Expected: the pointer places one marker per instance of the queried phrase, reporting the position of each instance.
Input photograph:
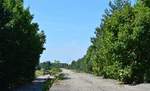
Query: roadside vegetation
(39, 73)
(121, 46)
(21, 43)
(47, 85)
(52, 69)
(120, 49)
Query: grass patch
(39, 73)
(56, 72)
(48, 84)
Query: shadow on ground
(36, 85)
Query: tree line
(49, 65)
(21, 43)
(121, 46)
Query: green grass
(48, 84)
(55, 71)
(58, 76)
(39, 73)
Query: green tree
(21, 44)
(120, 49)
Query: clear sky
(68, 25)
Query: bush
(47, 85)
(21, 44)
(39, 73)
(55, 71)
(121, 47)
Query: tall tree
(121, 49)
(21, 44)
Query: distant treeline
(49, 65)
(21, 44)
(121, 48)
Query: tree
(145, 3)
(21, 44)
(120, 50)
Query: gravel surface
(86, 82)
(36, 85)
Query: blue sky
(68, 25)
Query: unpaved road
(86, 82)
(36, 85)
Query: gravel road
(86, 82)
(36, 85)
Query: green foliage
(21, 44)
(58, 76)
(47, 85)
(145, 3)
(78, 65)
(121, 48)
(39, 73)
(55, 71)
(49, 65)
(45, 65)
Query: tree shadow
(35, 85)
(64, 76)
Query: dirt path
(86, 82)
(36, 85)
